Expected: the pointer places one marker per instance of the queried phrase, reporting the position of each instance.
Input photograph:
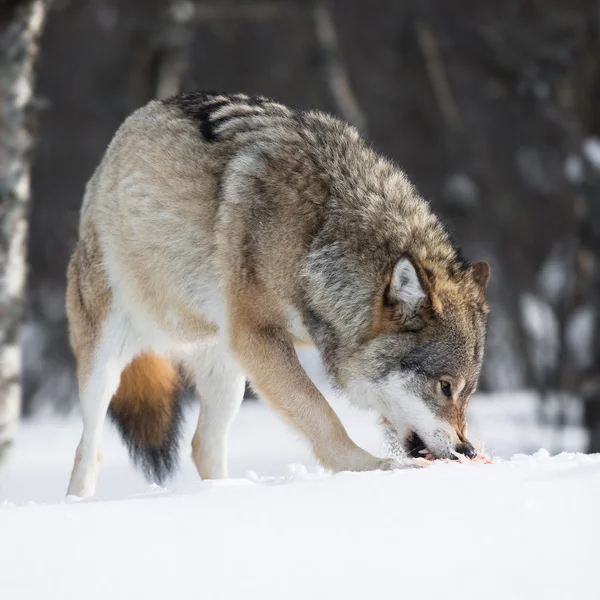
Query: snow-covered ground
(527, 527)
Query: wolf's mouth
(412, 446)
(416, 447)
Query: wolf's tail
(147, 410)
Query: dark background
(491, 107)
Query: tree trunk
(589, 258)
(20, 26)
(170, 60)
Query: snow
(282, 528)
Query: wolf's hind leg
(220, 384)
(99, 373)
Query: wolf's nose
(467, 449)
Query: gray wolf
(221, 231)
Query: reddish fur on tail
(147, 410)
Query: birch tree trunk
(21, 23)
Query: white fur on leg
(220, 384)
(110, 358)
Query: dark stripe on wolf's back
(200, 106)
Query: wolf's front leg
(267, 354)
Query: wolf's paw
(358, 459)
(392, 464)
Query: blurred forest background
(491, 107)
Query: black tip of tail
(158, 463)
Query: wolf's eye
(446, 389)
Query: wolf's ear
(481, 273)
(405, 287)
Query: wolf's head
(420, 362)
(419, 352)
(397, 314)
